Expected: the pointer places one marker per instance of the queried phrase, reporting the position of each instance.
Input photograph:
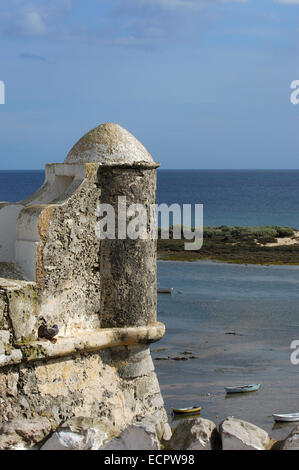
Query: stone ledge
(15, 357)
(89, 341)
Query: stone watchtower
(55, 269)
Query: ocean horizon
(230, 197)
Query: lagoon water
(260, 304)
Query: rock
(166, 432)
(64, 440)
(2, 309)
(12, 384)
(4, 340)
(241, 435)
(69, 440)
(14, 357)
(195, 434)
(292, 441)
(24, 433)
(78, 434)
(138, 436)
(162, 429)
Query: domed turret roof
(109, 143)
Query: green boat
(243, 388)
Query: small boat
(286, 417)
(243, 388)
(165, 290)
(182, 411)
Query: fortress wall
(101, 294)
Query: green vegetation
(236, 245)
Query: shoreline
(269, 245)
(174, 258)
(239, 322)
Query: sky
(201, 83)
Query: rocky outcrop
(195, 434)
(24, 433)
(94, 434)
(292, 441)
(162, 428)
(138, 436)
(79, 434)
(241, 435)
(152, 432)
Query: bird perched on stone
(47, 332)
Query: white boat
(286, 417)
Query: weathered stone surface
(166, 432)
(241, 435)
(15, 356)
(136, 369)
(22, 308)
(127, 263)
(69, 280)
(109, 144)
(4, 341)
(195, 434)
(24, 432)
(4, 336)
(138, 436)
(147, 386)
(156, 401)
(90, 439)
(2, 310)
(96, 340)
(101, 295)
(12, 383)
(64, 440)
(162, 429)
(81, 433)
(11, 271)
(292, 441)
(87, 385)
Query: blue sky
(202, 83)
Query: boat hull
(186, 411)
(243, 388)
(290, 417)
(165, 291)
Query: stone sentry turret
(55, 269)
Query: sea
(229, 197)
(225, 324)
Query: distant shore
(266, 245)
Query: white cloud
(143, 23)
(172, 4)
(33, 17)
(288, 2)
(33, 24)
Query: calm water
(235, 197)
(260, 304)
